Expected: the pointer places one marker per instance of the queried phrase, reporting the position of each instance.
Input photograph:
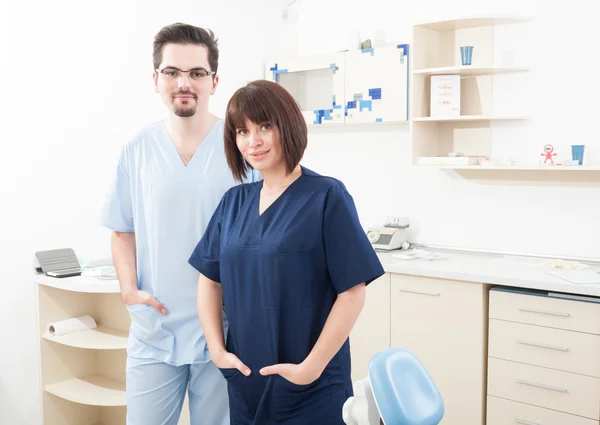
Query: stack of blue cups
(466, 55)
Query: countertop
(79, 284)
(496, 269)
(520, 272)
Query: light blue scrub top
(168, 206)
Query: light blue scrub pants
(156, 391)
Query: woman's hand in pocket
(226, 360)
(299, 374)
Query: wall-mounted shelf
(469, 70)
(469, 118)
(549, 168)
(437, 131)
(92, 390)
(473, 22)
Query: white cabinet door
(376, 84)
(371, 332)
(443, 322)
(317, 84)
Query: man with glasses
(169, 180)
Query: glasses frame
(162, 71)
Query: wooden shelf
(92, 390)
(469, 118)
(553, 168)
(473, 22)
(437, 51)
(469, 70)
(83, 373)
(100, 338)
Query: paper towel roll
(76, 324)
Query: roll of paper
(76, 324)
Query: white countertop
(522, 272)
(79, 284)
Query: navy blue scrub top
(281, 272)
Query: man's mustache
(185, 93)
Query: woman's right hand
(226, 360)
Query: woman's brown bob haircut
(263, 101)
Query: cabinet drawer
(507, 412)
(553, 389)
(545, 311)
(570, 351)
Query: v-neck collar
(256, 203)
(174, 151)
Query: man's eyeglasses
(195, 74)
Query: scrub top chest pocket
(291, 280)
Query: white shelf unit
(436, 51)
(469, 70)
(469, 118)
(83, 373)
(549, 168)
(101, 338)
(471, 22)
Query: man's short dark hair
(179, 33)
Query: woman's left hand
(299, 374)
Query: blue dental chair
(398, 390)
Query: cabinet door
(443, 322)
(317, 84)
(377, 84)
(371, 332)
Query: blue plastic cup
(577, 152)
(466, 54)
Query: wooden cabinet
(507, 412)
(499, 357)
(371, 332)
(443, 322)
(83, 373)
(544, 356)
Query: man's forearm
(124, 260)
(209, 301)
(337, 328)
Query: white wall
(556, 216)
(78, 86)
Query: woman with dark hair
(289, 261)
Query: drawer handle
(524, 422)
(537, 344)
(434, 294)
(546, 387)
(552, 313)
